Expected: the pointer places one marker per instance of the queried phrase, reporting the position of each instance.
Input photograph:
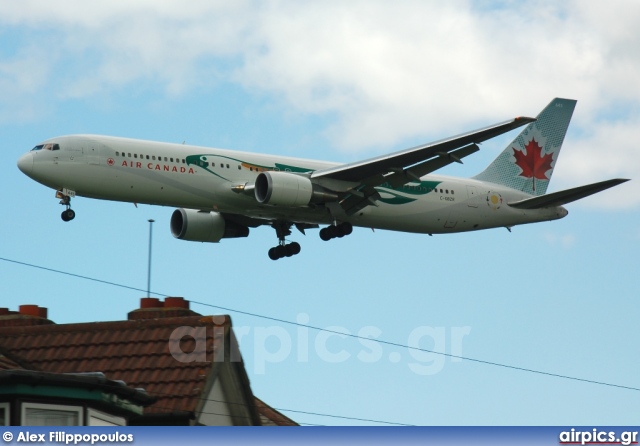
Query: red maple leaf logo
(534, 164)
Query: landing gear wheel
(68, 215)
(324, 234)
(336, 231)
(292, 249)
(281, 251)
(272, 254)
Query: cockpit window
(48, 146)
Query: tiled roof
(135, 351)
(11, 362)
(271, 417)
(8, 364)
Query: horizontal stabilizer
(566, 196)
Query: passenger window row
(425, 189)
(169, 159)
(150, 157)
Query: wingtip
(618, 180)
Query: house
(180, 367)
(67, 399)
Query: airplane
(222, 193)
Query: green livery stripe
(202, 162)
(403, 194)
(397, 199)
(286, 168)
(400, 195)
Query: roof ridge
(199, 320)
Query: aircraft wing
(396, 169)
(566, 196)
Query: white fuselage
(176, 175)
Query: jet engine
(288, 189)
(204, 226)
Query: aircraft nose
(25, 163)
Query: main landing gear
(283, 249)
(335, 231)
(283, 229)
(68, 214)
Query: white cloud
(607, 149)
(414, 68)
(99, 46)
(386, 71)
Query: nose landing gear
(68, 214)
(65, 199)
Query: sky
(538, 312)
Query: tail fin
(527, 163)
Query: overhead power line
(395, 344)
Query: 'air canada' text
(161, 167)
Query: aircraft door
(91, 151)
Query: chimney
(27, 315)
(154, 308)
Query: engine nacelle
(283, 189)
(203, 226)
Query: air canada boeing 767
(222, 193)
